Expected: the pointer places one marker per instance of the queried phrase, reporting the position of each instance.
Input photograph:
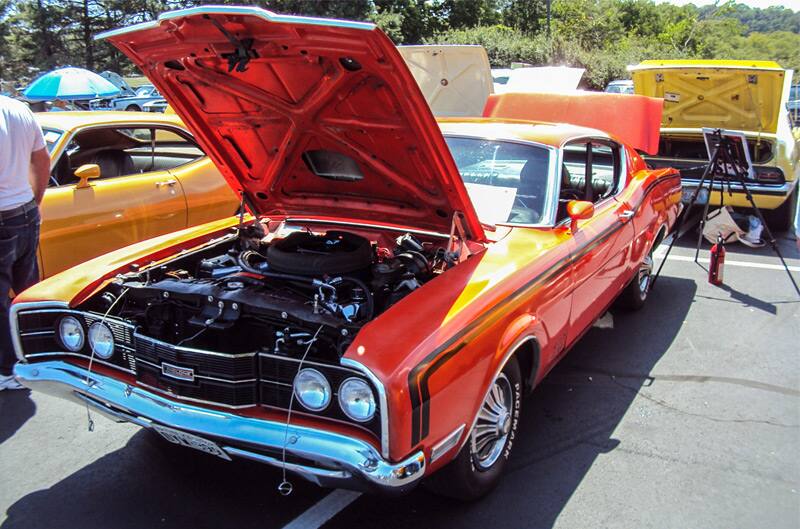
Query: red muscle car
(400, 284)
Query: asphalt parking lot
(685, 414)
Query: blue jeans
(19, 269)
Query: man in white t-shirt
(24, 172)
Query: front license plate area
(192, 441)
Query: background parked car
(153, 179)
(746, 96)
(622, 86)
(135, 103)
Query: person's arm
(40, 173)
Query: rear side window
(591, 171)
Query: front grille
(203, 390)
(229, 380)
(38, 336)
(205, 363)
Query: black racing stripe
(418, 384)
(418, 376)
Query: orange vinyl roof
(632, 119)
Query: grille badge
(177, 372)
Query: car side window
(125, 151)
(590, 171)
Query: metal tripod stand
(726, 165)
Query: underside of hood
(305, 116)
(736, 95)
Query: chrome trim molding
(384, 402)
(51, 332)
(444, 446)
(83, 356)
(338, 460)
(311, 363)
(756, 188)
(190, 349)
(190, 399)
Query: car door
(135, 200)
(596, 171)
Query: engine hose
(242, 260)
(363, 287)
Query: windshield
(51, 137)
(507, 182)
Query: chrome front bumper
(338, 460)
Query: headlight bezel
(93, 346)
(60, 334)
(342, 405)
(327, 390)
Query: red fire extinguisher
(717, 262)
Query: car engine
(251, 292)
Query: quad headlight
(101, 340)
(70, 333)
(312, 389)
(357, 400)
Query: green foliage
(603, 36)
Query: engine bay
(277, 292)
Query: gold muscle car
(122, 177)
(746, 96)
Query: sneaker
(9, 382)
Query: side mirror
(86, 172)
(579, 210)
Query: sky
(791, 4)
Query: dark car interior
(600, 161)
(124, 152)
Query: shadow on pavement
(16, 407)
(150, 483)
(567, 423)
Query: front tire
(132, 108)
(477, 468)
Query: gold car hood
(736, 95)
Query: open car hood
(307, 116)
(634, 120)
(737, 95)
(455, 79)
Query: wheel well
(527, 355)
(660, 237)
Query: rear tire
(132, 108)
(477, 468)
(635, 294)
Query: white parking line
(729, 262)
(325, 509)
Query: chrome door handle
(626, 215)
(169, 183)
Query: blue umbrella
(69, 84)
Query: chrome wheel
(645, 272)
(494, 423)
